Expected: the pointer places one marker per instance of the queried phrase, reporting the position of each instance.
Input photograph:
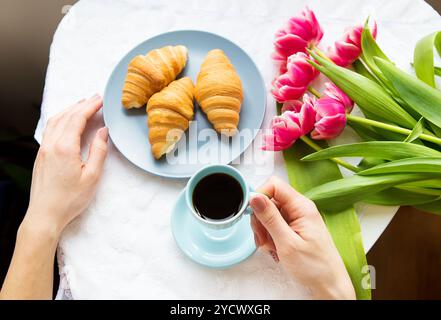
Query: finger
(72, 121)
(270, 217)
(294, 203)
(261, 236)
(56, 124)
(263, 239)
(257, 232)
(48, 133)
(278, 189)
(97, 155)
(268, 244)
(84, 106)
(76, 121)
(275, 256)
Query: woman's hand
(290, 227)
(62, 187)
(62, 184)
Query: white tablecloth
(122, 246)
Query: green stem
(341, 162)
(320, 53)
(314, 92)
(392, 128)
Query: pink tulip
(290, 126)
(334, 92)
(306, 27)
(284, 132)
(285, 90)
(279, 62)
(294, 83)
(305, 118)
(299, 70)
(294, 105)
(346, 50)
(300, 33)
(287, 44)
(330, 119)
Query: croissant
(219, 92)
(169, 114)
(151, 73)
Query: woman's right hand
(291, 228)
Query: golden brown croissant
(169, 114)
(219, 92)
(151, 73)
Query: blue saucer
(211, 248)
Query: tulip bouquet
(400, 131)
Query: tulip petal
(326, 106)
(289, 44)
(307, 118)
(295, 105)
(284, 90)
(334, 92)
(346, 50)
(329, 127)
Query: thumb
(270, 217)
(97, 153)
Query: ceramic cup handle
(249, 210)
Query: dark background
(407, 257)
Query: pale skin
(63, 185)
(289, 226)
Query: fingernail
(258, 204)
(274, 256)
(256, 240)
(95, 96)
(103, 133)
(82, 100)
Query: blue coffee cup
(213, 169)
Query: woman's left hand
(63, 184)
(62, 187)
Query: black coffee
(217, 196)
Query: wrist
(38, 229)
(341, 289)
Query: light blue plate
(211, 248)
(128, 128)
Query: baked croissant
(219, 92)
(151, 73)
(169, 114)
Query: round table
(122, 246)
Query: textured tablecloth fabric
(122, 246)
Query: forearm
(30, 274)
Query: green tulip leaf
(365, 132)
(430, 183)
(399, 197)
(416, 131)
(340, 194)
(423, 59)
(418, 95)
(387, 150)
(363, 70)
(432, 207)
(421, 190)
(425, 164)
(370, 49)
